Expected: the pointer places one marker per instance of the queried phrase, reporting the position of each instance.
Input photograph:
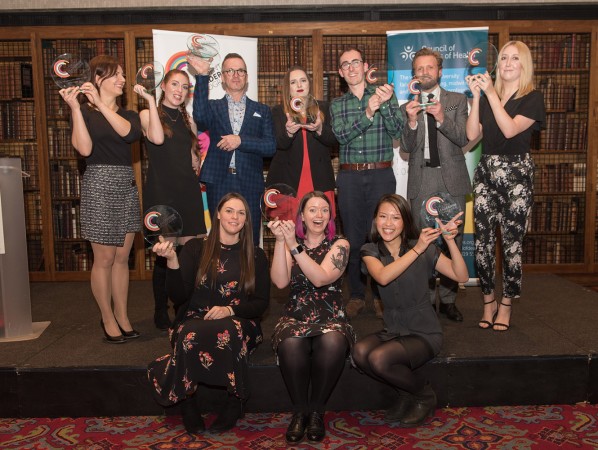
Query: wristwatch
(297, 250)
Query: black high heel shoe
(486, 324)
(128, 334)
(120, 339)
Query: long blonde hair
(526, 79)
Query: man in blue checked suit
(241, 136)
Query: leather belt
(232, 170)
(366, 166)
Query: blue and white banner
(455, 45)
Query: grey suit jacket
(451, 139)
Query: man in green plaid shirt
(365, 121)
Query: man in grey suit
(434, 138)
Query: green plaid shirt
(361, 139)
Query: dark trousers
(358, 194)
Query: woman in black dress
(401, 264)
(103, 133)
(313, 336)
(221, 287)
(171, 143)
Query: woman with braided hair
(172, 150)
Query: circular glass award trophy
(205, 47)
(69, 70)
(440, 205)
(279, 202)
(161, 220)
(307, 109)
(380, 74)
(483, 57)
(150, 75)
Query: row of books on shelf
(563, 133)
(65, 180)
(35, 253)
(17, 120)
(85, 49)
(15, 49)
(59, 141)
(560, 177)
(544, 250)
(17, 80)
(279, 54)
(33, 212)
(72, 256)
(570, 52)
(67, 220)
(375, 53)
(557, 96)
(555, 216)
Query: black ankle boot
(315, 427)
(192, 419)
(396, 412)
(296, 429)
(422, 407)
(227, 418)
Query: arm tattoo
(340, 259)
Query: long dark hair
(410, 230)
(210, 257)
(300, 228)
(165, 126)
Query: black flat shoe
(296, 429)
(451, 312)
(315, 427)
(120, 339)
(192, 419)
(227, 418)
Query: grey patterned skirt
(109, 204)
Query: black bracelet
(297, 250)
(416, 252)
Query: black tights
(388, 361)
(319, 359)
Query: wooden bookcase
(562, 234)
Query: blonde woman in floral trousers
(507, 114)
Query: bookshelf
(562, 234)
(555, 233)
(18, 137)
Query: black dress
(212, 352)
(171, 179)
(311, 310)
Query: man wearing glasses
(241, 136)
(365, 121)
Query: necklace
(178, 113)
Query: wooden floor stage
(548, 356)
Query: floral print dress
(311, 310)
(212, 352)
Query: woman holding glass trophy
(103, 132)
(172, 150)
(304, 140)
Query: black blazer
(288, 160)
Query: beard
(427, 83)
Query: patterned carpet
(515, 427)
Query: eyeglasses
(355, 64)
(239, 72)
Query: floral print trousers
(503, 195)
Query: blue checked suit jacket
(257, 139)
